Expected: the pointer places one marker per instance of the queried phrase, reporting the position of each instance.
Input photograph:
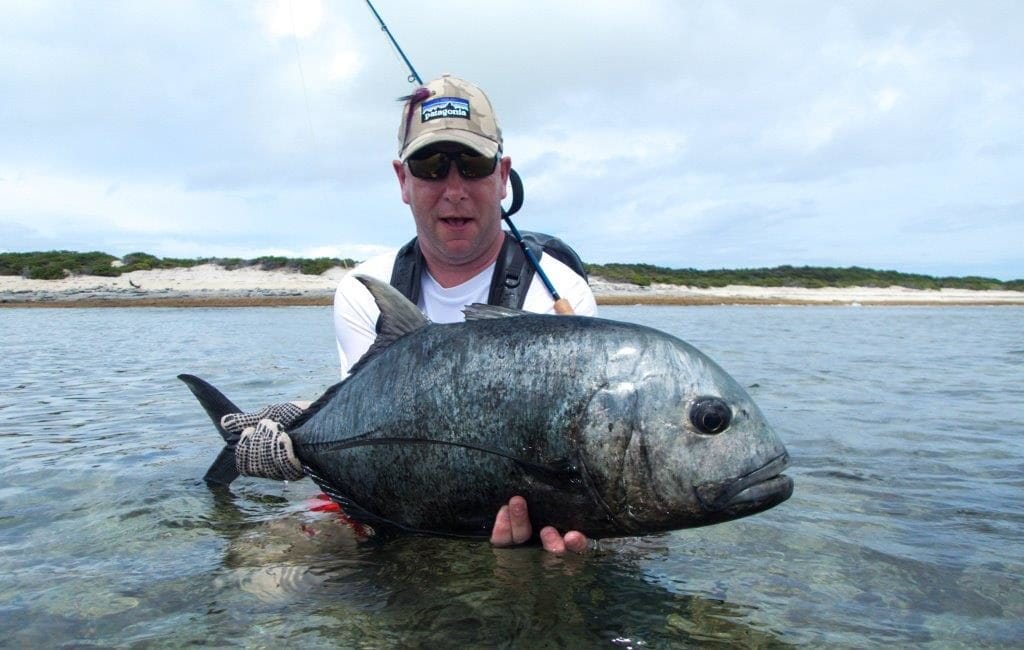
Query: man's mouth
(455, 222)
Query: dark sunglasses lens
(430, 167)
(476, 166)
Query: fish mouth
(759, 490)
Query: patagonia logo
(441, 107)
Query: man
(453, 176)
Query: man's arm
(569, 286)
(355, 312)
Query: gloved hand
(284, 414)
(264, 449)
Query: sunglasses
(434, 165)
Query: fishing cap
(449, 109)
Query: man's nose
(454, 185)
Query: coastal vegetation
(792, 276)
(51, 265)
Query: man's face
(458, 220)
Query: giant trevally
(604, 427)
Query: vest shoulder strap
(512, 275)
(557, 249)
(407, 271)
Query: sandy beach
(213, 286)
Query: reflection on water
(442, 592)
(905, 427)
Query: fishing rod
(384, 28)
(562, 305)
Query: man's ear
(403, 176)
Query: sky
(679, 133)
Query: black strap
(517, 194)
(407, 271)
(556, 248)
(512, 275)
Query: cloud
(682, 134)
(298, 19)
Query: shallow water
(906, 428)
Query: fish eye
(710, 415)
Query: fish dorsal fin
(398, 317)
(478, 311)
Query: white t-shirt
(442, 305)
(355, 312)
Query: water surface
(906, 428)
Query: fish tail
(216, 405)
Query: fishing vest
(512, 271)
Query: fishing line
(562, 305)
(302, 74)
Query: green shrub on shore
(51, 265)
(318, 265)
(790, 276)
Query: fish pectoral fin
(479, 311)
(561, 474)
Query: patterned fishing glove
(266, 451)
(264, 448)
(284, 414)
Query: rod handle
(563, 307)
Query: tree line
(792, 276)
(51, 265)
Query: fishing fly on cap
(411, 101)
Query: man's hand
(284, 414)
(512, 526)
(264, 449)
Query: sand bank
(213, 286)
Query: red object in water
(323, 503)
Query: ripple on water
(906, 429)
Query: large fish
(604, 427)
